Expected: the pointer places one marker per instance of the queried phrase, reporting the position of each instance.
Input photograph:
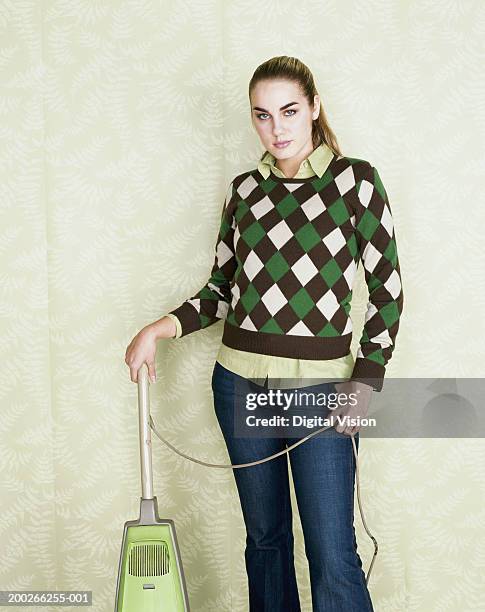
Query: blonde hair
(293, 69)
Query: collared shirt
(285, 372)
(316, 163)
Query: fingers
(128, 349)
(141, 350)
(129, 363)
(351, 431)
(348, 430)
(151, 371)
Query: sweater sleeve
(378, 250)
(211, 303)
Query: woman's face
(280, 113)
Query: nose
(277, 129)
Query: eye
(289, 110)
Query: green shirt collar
(316, 163)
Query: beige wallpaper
(122, 123)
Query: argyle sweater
(285, 261)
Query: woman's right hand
(143, 347)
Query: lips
(282, 144)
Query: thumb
(151, 371)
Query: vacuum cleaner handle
(145, 433)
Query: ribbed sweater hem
(299, 347)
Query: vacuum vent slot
(149, 560)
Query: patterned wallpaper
(122, 125)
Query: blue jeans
(323, 471)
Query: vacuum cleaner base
(150, 571)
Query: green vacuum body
(150, 574)
(150, 571)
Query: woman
(291, 236)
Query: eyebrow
(282, 108)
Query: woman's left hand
(353, 399)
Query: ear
(316, 106)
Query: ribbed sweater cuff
(188, 317)
(369, 372)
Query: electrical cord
(286, 450)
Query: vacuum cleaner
(150, 570)
(150, 574)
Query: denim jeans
(323, 472)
